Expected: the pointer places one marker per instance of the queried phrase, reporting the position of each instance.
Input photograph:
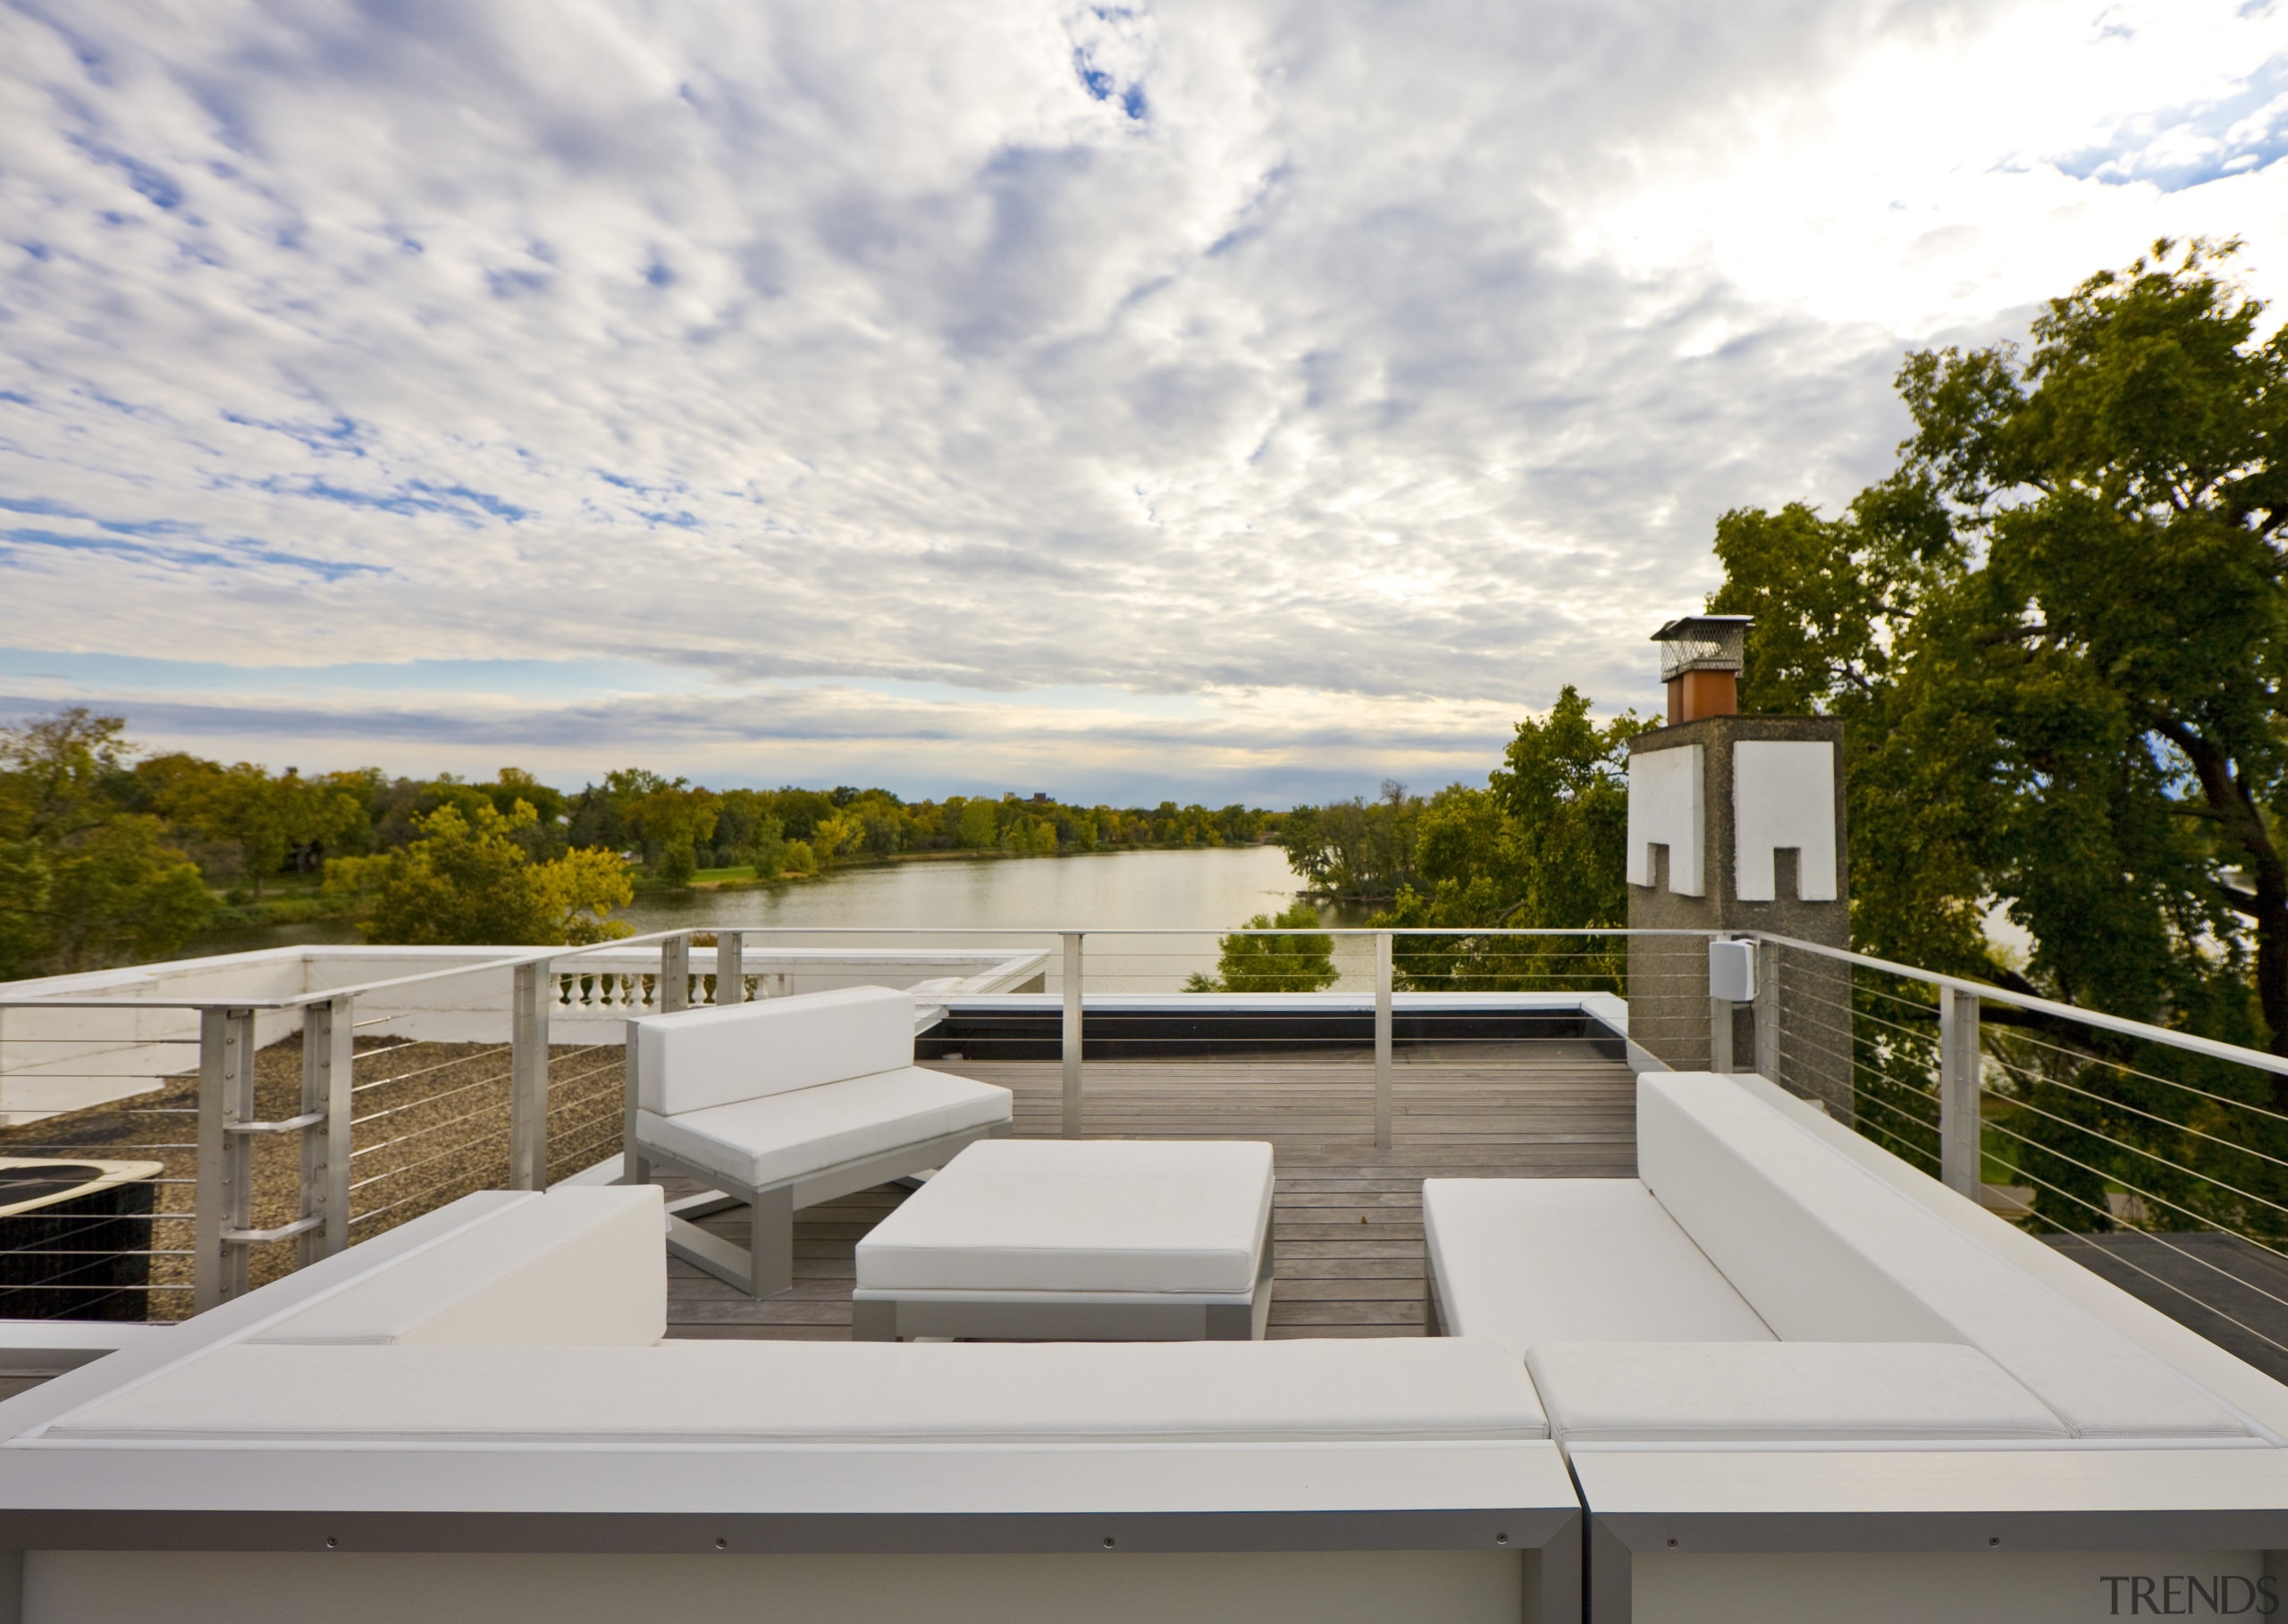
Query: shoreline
(974, 855)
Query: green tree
(980, 825)
(2056, 635)
(673, 821)
(839, 835)
(468, 880)
(511, 785)
(1354, 850)
(766, 847)
(83, 882)
(1272, 963)
(266, 818)
(1029, 834)
(1543, 845)
(112, 893)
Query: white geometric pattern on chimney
(1783, 794)
(1664, 809)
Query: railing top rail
(2143, 1030)
(551, 954)
(1038, 933)
(302, 1000)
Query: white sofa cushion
(696, 1058)
(1533, 1261)
(1806, 1280)
(1658, 1393)
(733, 1392)
(1081, 1215)
(579, 1266)
(778, 1137)
(1826, 1253)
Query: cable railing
(170, 1153)
(233, 1133)
(2158, 1158)
(164, 1154)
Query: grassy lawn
(286, 899)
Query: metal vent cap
(1702, 643)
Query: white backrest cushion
(582, 1266)
(1657, 1392)
(1804, 1280)
(729, 1392)
(1826, 1253)
(700, 1058)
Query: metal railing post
(529, 1076)
(225, 1197)
(1070, 1048)
(1720, 1034)
(328, 1058)
(1959, 1121)
(730, 967)
(675, 972)
(215, 1037)
(1382, 1040)
(1767, 1011)
(634, 1169)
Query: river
(1201, 891)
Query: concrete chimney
(1737, 823)
(1701, 658)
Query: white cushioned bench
(788, 1102)
(1782, 1291)
(1741, 1392)
(1489, 1238)
(575, 1267)
(721, 1393)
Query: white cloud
(1345, 378)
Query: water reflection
(1199, 891)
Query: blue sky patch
(157, 188)
(23, 539)
(338, 435)
(413, 497)
(2177, 148)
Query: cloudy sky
(1220, 400)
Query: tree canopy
(1543, 844)
(468, 880)
(2056, 634)
(84, 880)
(1272, 963)
(1355, 850)
(111, 854)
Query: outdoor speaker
(1731, 971)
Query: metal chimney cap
(1703, 642)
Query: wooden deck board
(1511, 1111)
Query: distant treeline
(675, 828)
(109, 854)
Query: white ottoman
(1076, 1240)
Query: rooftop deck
(1347, 1220)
